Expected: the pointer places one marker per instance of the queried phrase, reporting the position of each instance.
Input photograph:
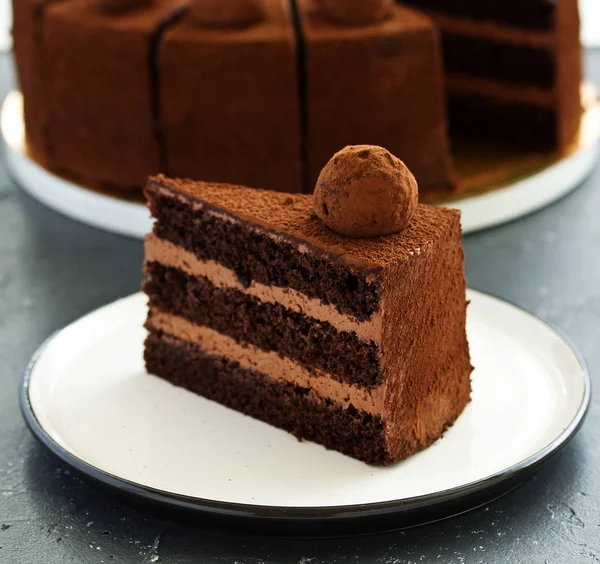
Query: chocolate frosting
(365, 191)
(355, 12)
(226, 13)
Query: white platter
(505, 203)
(88, 398)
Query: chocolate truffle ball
(356, 12)
(118, 6)
(365, 191)
(226, 13)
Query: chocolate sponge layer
(284, 405)
(523, 125)
(268, 326)
(260, 258)
(486, 58)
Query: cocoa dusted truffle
(365, 191)
(356, 12)
(117, 6)
(226, 13)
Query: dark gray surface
(53, 270)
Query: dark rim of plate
(340, 512)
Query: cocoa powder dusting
(226, 13)
(119, 6)
(356, 12)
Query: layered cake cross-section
(358, 344)
(513, 69)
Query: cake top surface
(402, 20)
(233, 14)
(93, 14)
(356, 12)
(291, 217)
(273, 24)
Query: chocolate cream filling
(494, 31)
(501, 92)
(269, 363)
(170, 255)
(269, 326)
(269, 258)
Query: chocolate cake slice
(355, 343)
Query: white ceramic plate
(503, 204)
(89, 399)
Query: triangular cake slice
(356, 344)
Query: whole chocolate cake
(256, 301)
(261, 92)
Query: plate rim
(347, 512)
